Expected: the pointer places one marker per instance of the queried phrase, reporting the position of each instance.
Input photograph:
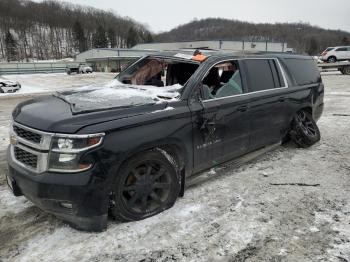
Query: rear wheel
(304, 131)
(145, 186)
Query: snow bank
(49, 83)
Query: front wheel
(332, 59)
(145, 186)
(304, 131)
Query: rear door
(342, 53)
(267, 106)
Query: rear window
(304, 71)
(329, 49)
(260, 75)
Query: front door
(220, 124)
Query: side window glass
(304, 71)
(341, 49)
(223, 80)
(260, 75)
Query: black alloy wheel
(147, 185)
(304, 131)
(306, 124)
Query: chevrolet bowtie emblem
(13, 139)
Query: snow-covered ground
(258, 212)
(46, 83)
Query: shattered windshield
(158, 72)
(148, 81)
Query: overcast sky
(162, 15)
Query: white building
(116, 59)
(221, 45)
(110, 59)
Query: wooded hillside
(301, 36)
(55, 30)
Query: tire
(346, 70)
(1, 91)
(332, 59)
(304, 131)
(146, 185)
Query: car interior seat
(232, 87)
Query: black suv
(126, 149)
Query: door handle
(242, 108)
(281, 99)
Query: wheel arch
(307, 109)
(331, 57)
(173, 148)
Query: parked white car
(337, 53)
(85, 69)
(8, 86)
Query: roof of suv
(233, 54)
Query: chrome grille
(26, 158)
(26, 134)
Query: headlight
(67, 151)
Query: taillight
(324, 53)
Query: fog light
(66, 157)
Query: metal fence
(34, 68)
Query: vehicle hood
(67, 112)
(89, 99)
(8, 82)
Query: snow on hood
(116, 95)
(8, 82)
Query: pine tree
(99, 38)
(131, 39)
(79, 37)
(11, 47)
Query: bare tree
(53, 29)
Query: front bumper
(10, 89)
(79, 199)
